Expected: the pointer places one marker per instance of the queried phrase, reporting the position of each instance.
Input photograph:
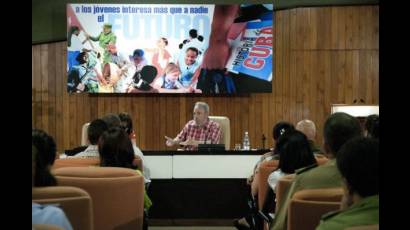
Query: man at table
(200, 130)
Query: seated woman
(43, 149)
(279, 129)
(115, 149)
(44, 158)
(294, 152)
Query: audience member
(294, 153)
(278, 130)
(112, 120)
(94, 131)
(49, 214)
(360, 184)
(372, 126)
(308, 127)
(126, 124)
(338, 129)
(197, 131)
(45, 157)
(46, 214)
(116, 150)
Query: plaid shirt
(210, 131)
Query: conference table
(200, 184)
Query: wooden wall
(323, 55)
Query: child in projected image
(169, 83)
(189, 65)
(161, 57)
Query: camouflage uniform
(311, 177)
(364, 212)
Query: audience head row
(110, 133)
(98, 126)
(293, 145)
(114, 146)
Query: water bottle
(246, 144)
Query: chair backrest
(84, 134)
(226, 129)
(307, 207)
(76, 162)
(284, 183)
(265, 169)
(89, 161)
(75, 202)
(117, 193)
(282, 188)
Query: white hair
(307, 127)
(202, 105)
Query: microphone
(206, 136)
(263, 140)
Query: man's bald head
(307, 127)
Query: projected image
(140, 48)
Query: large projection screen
(174, 48)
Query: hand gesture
(169, 141)
(189, 141)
